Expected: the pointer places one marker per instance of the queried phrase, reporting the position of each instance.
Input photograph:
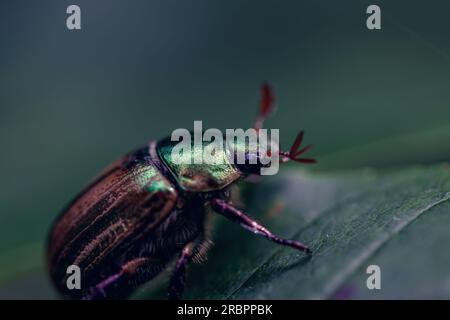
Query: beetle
(144, 212)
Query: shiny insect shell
(143, 212)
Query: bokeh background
(73, 101)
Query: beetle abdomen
(123, 205)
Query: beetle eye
(252, 164)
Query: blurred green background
(73, 101)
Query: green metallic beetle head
(212, 166)
(248, 157)
(199, 165)
(198, 176)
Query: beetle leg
(229, 211)
(196, 252)
(121, 284)
(178, 278)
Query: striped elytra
(146, 210)
(129, 211)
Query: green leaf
(350, 221)
(395, 219)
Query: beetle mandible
(144, 211)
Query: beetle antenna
(266, 105)
(294, 153)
